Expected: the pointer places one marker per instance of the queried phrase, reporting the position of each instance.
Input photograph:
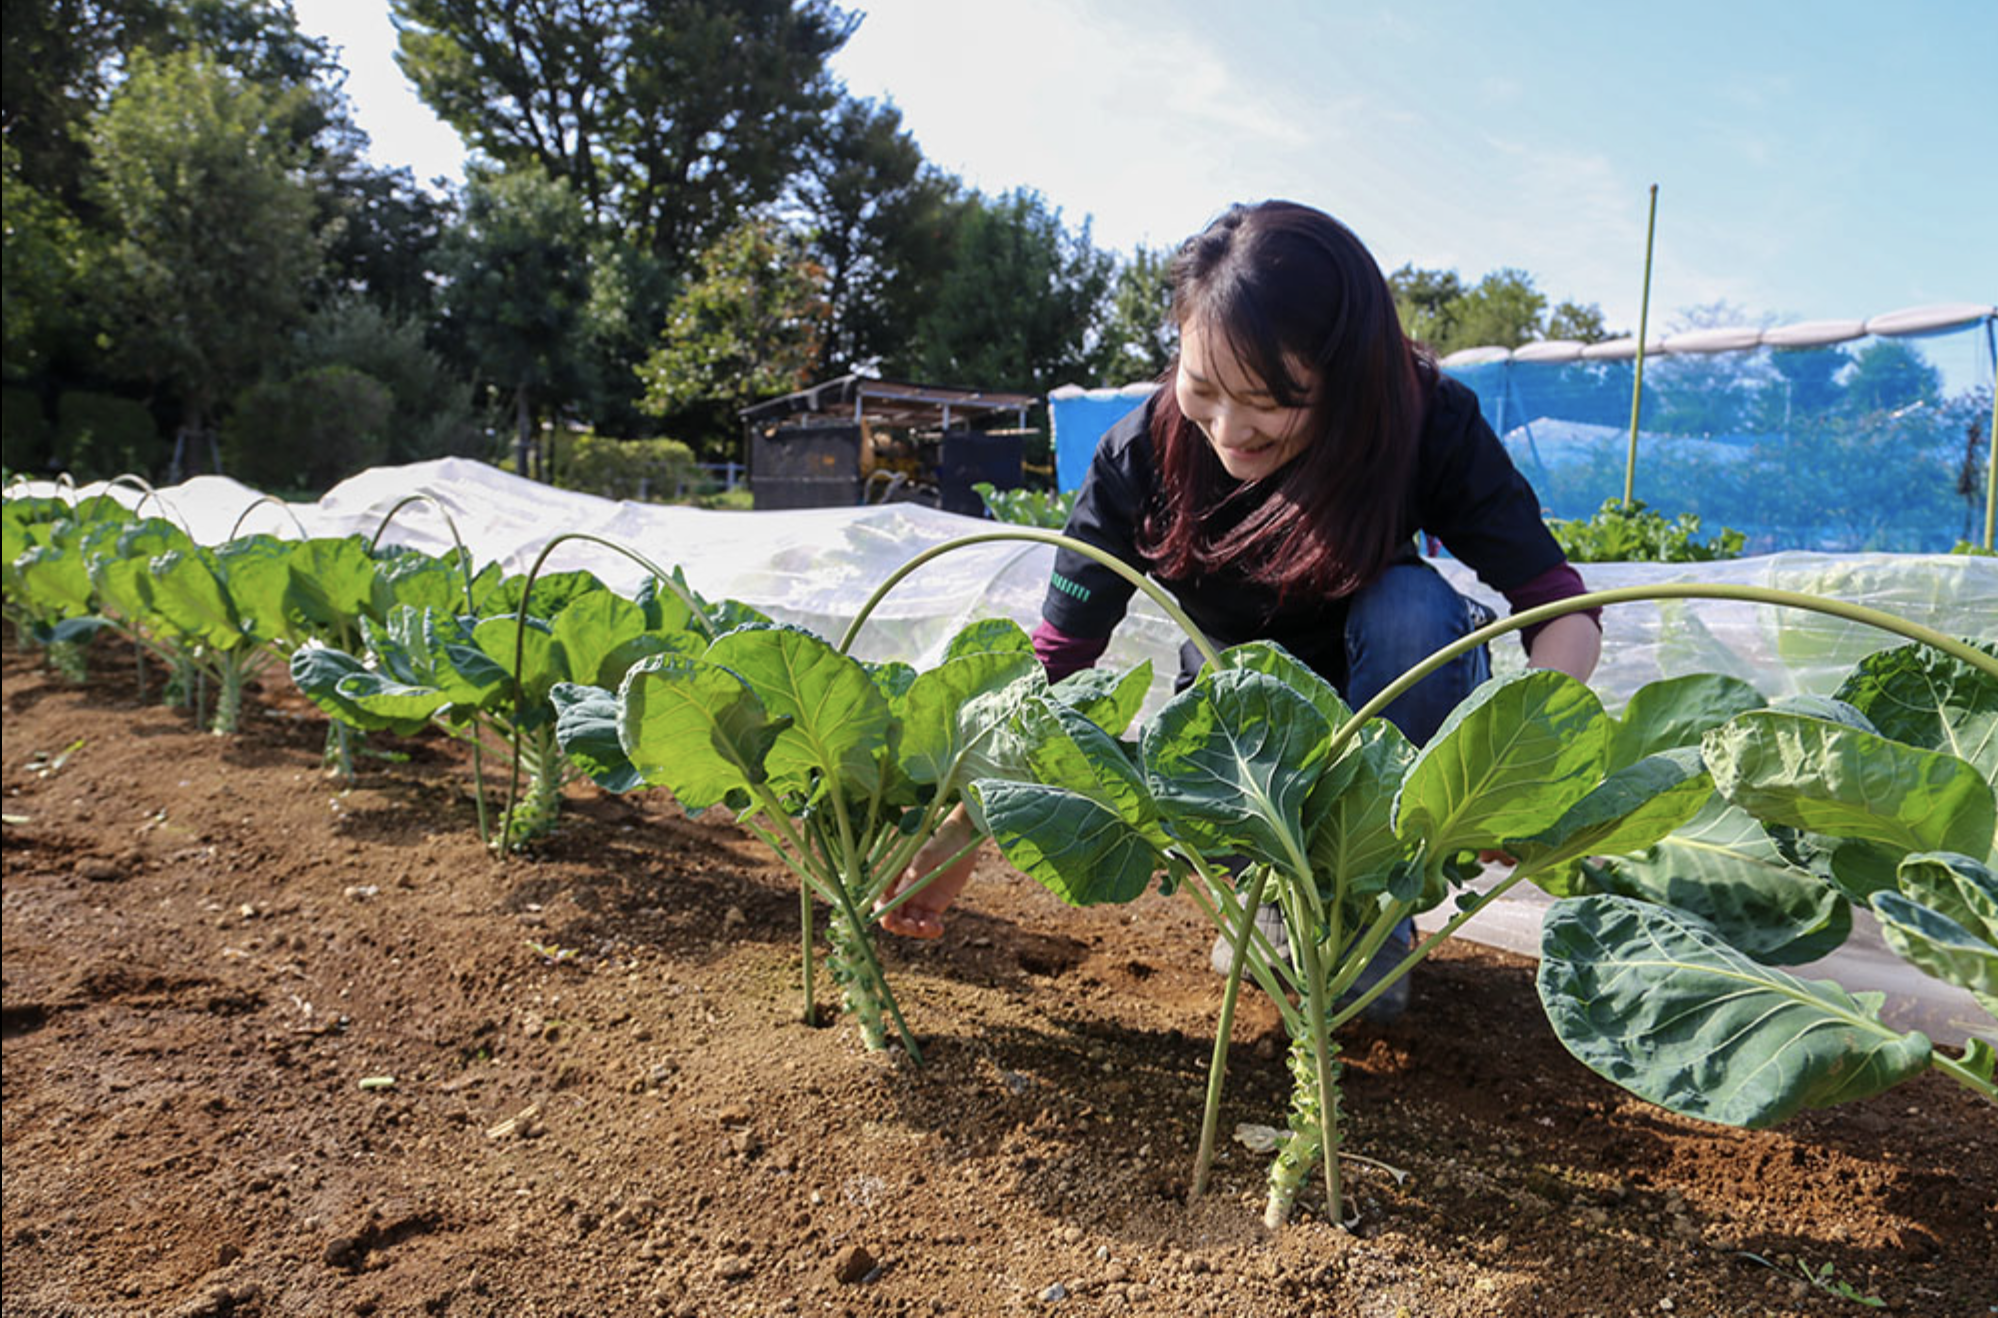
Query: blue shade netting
(1868, 442)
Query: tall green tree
(1426, 301)
(747, 326)
(1020, 306)
(1140, 337)
(518, 294)
(60, 60)
(877, 219)
(669, 118)
(1505, 309)
(213, 247)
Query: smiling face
(1250, 431)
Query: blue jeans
(1401, 619)
(1405, 616)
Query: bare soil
(604, 1101)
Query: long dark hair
(1279, 284)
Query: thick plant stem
(854, 972)
(1321, 1052)
(1217, 1067)
(339, 752)
(228, 699)
(1293, 1163)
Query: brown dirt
(604, 1101)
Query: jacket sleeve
(1086, 599)
(1471, 497)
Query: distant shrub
(308, 432)
(657, 470)
(102, 435)
(433, 415)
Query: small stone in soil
(99, 870)
(852, 1265)
(1054, 1293)
(734, 1267)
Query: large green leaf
(149, 538)
(956, 718)
(502, 639)
(1231, 761)
(256, 570)
(1506, 763)
(1106, 697)
(319, 671)
(1271, 658)
(1658, 1003)
(1722, 867)
(1077, 848)
(552, 592)
(397, 704)
(589, 630)
(192, 600)
(586, 728)
(990, 635)
(1960, 887)
(1630, 810)
(838, 718)
(1676, 713)
(1926, 698)
(695, 728)
(1354, 848)
(56, 581)
(1935, 944)
(334, 582)
(457, 665)
(417, 579)
(124, 586)
(1827, 778)
(1066, 750)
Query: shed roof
(897, 402)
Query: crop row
(1697, 843)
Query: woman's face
(1250, 432)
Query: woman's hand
(922, 915)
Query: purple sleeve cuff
(1061, 654)
(1559, 582)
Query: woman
(1276, 484)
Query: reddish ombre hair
(1283, 285)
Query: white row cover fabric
(1809, 334)
(817, 567)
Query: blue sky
(1815, 160)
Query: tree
(873, 213)
(42, 264)
(1571, 320)
(1140, 337)
(517, 294)
(1425, 300)
(1504, 309)
(669, 118)
(748, 325)
(383, 233)
(1019, 306)
(60, 60)
(431, 411)
(213, 247)
(1888, 375)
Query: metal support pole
(1643, 323)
